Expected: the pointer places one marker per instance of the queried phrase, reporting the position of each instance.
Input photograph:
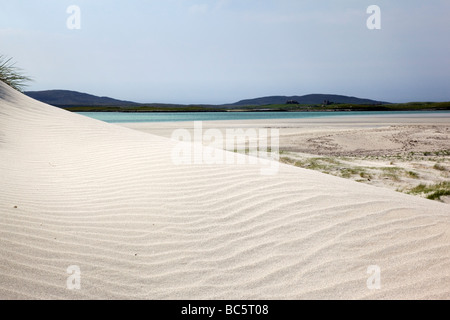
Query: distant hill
(306, 99)
(67, 98)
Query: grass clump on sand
(349, 172)
(11, 75)
(412, 174)
(324, 165)
(432, 192)
(439, 167)
(391, 173)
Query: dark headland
(83, 102)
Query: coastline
(401, 152)
(77, 192)
(123, 117)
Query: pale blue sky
(220, 51)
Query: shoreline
(81, 194)
(405, 153)
(217, 117)
(264, 110)
(161, 108)
(353, 121)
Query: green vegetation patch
(413, 106)
(412, 174)
(432, 192)
(319, 164)
(439, 167)
(11, 75)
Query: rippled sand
(76, 191)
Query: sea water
(115, 117)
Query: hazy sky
(220, 51)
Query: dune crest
(80, 192)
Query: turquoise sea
(115, 117)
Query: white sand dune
(76, 191)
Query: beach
(395, 151)
(109, 202)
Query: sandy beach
(396, 151)
(108, 200)
(340, 135)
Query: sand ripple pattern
(76, 191)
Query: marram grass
(11, 75)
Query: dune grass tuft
(432, 192)
(11, 75)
